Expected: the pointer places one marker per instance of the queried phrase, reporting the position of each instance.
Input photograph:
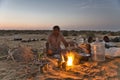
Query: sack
(113, 52)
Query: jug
(98, 51)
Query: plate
(84, 54)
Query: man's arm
(47, 46)
(48, 51)
(64, 41)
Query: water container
(98, 51)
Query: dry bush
(23, 53)
(4, 49)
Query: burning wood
(68, 61)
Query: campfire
(70, 58)
(67, 60)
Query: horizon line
(51, 29)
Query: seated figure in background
(54, 42)
(107, 42)
(111, 50)
(90, 39)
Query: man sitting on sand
(54, 42)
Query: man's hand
(49, 52)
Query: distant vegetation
(65, 32)
(116, 39)
(90, 33)
(12, 32)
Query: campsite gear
(86, 48)
(98, 51)
(84, 56)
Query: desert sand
(86, 70)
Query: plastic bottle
(98, 51)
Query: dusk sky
(68, 14)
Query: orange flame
(63, 60)
(70, 57)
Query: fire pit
(65, 61)
(68, 60)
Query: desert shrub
(4, 49)
(116, 39)
(43, 39)
(23, 53)
(90, 34)
(65, 33)
(74, 34)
